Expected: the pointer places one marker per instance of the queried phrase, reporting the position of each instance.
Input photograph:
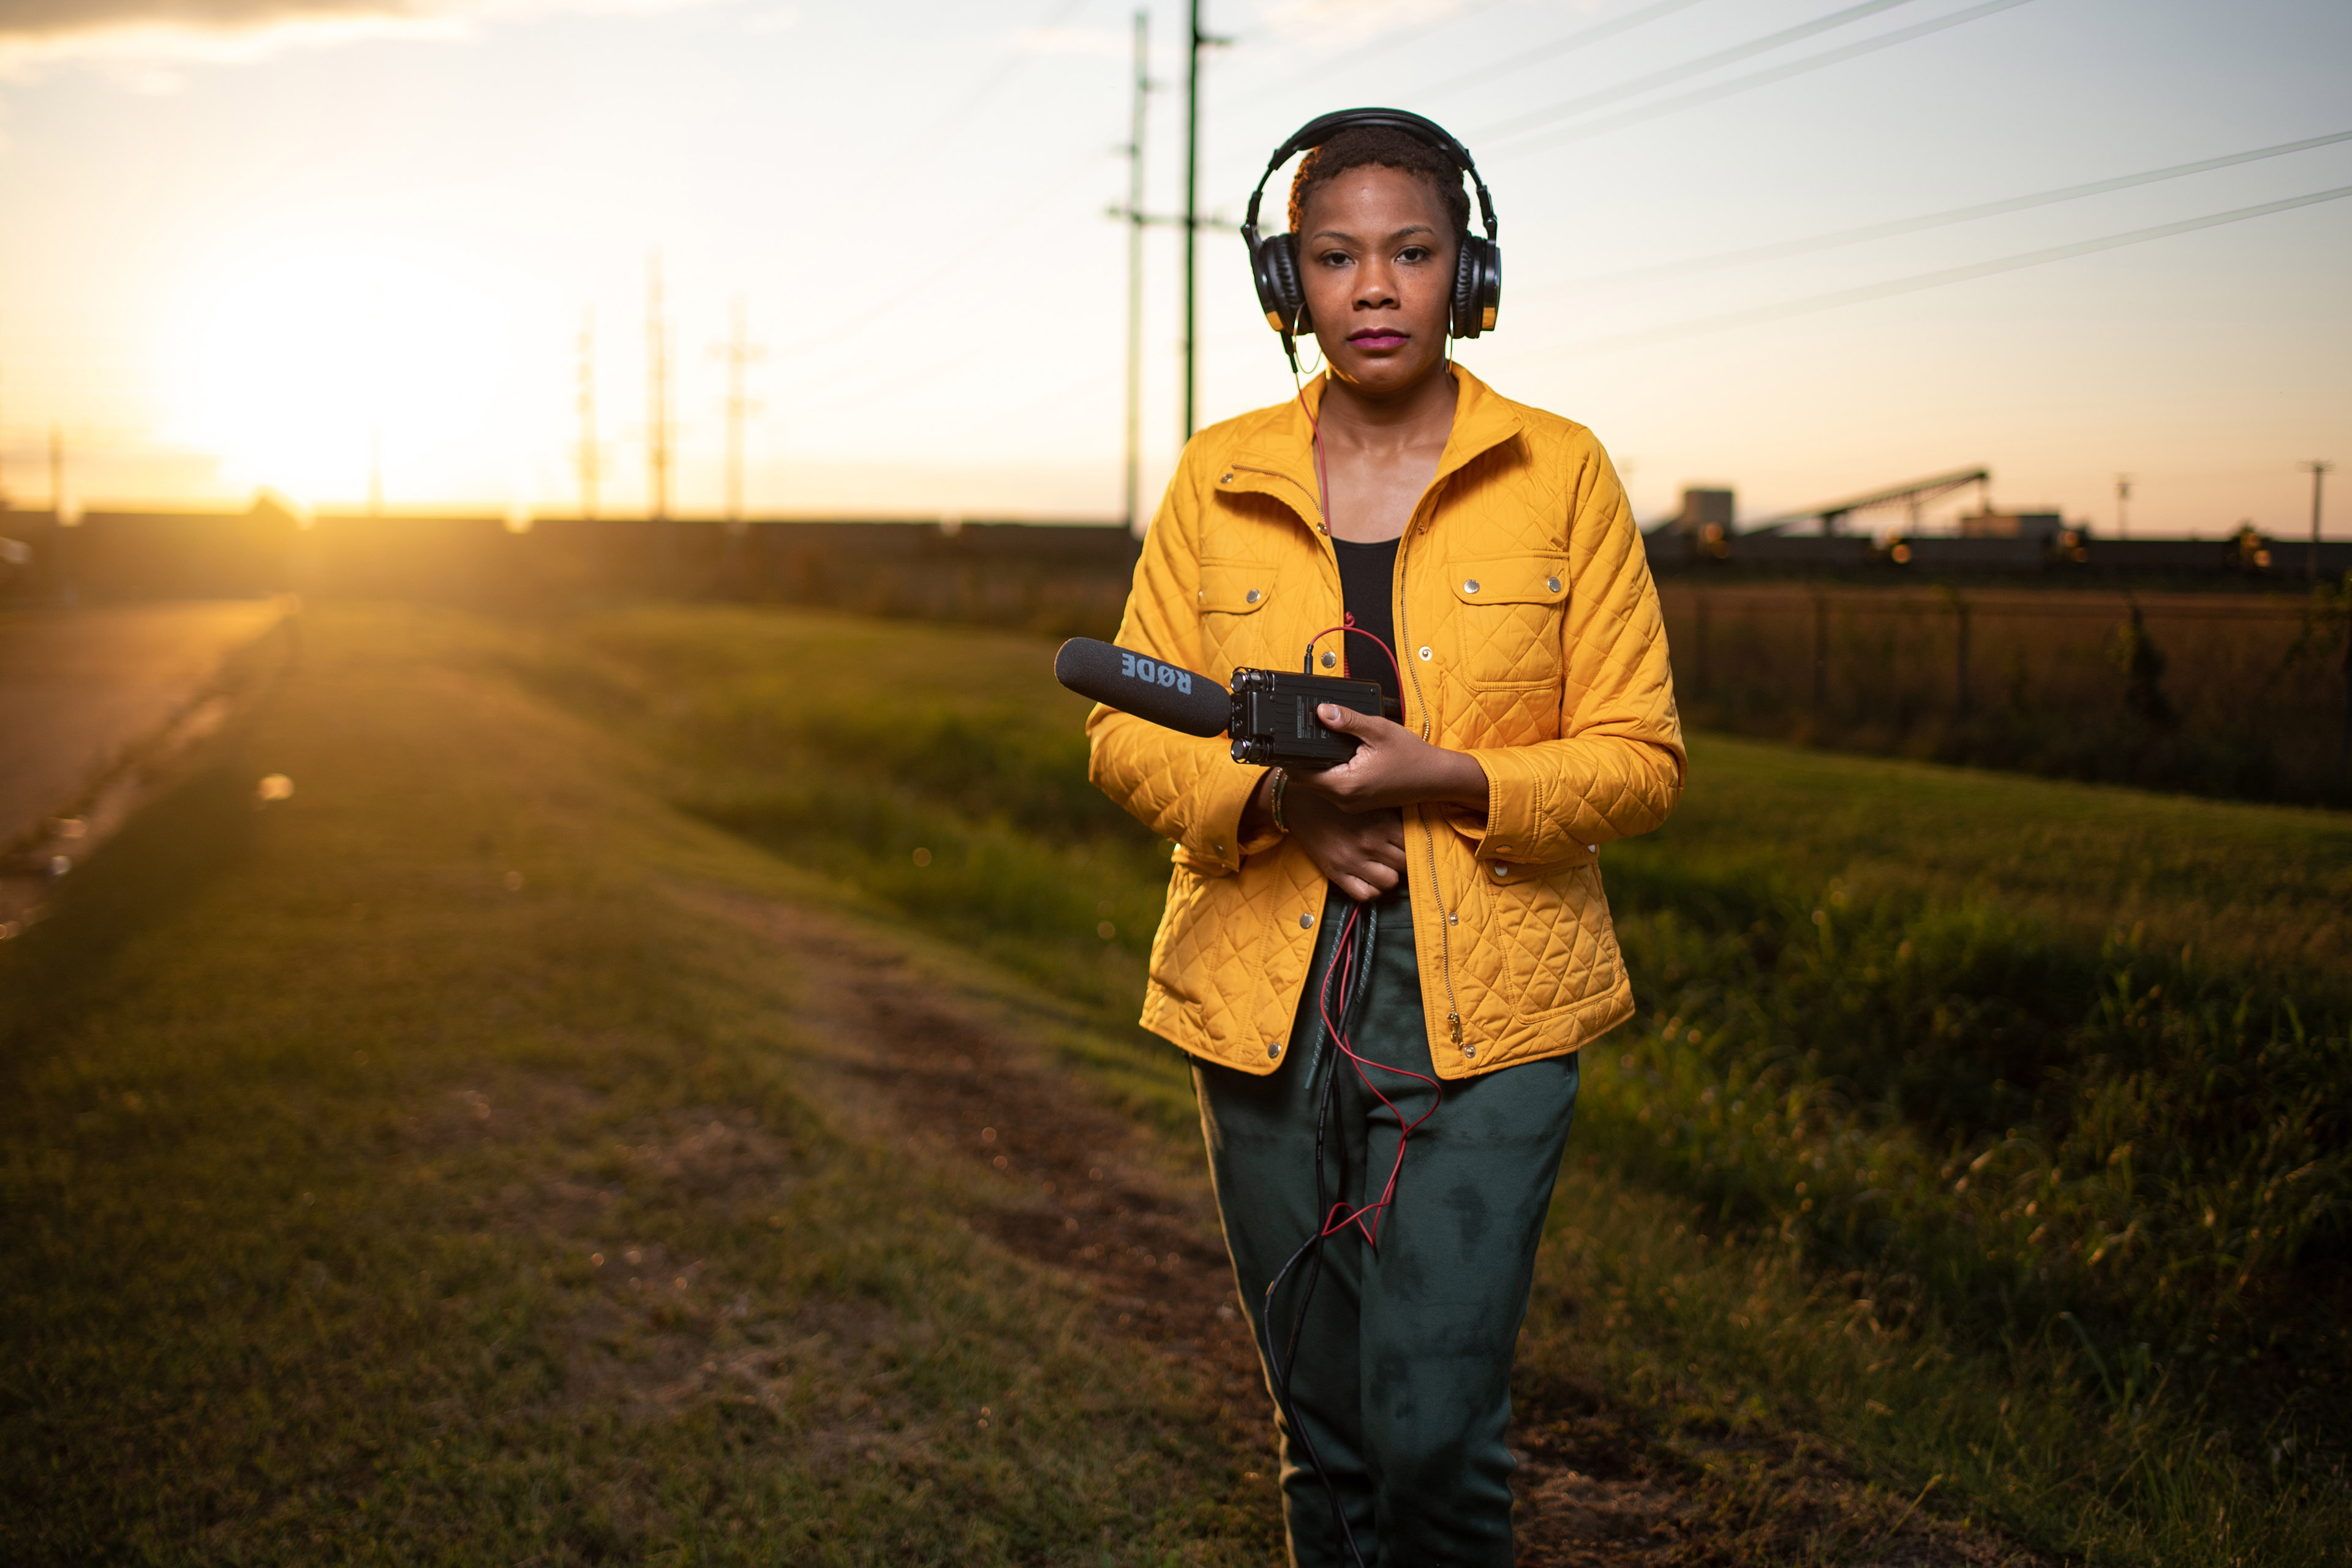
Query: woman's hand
(1392, 766)
(1362, 852)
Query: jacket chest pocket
(1506, 619)
(1231, 599)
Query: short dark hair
(1389, 148)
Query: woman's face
(1376, 258)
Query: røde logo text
(1154, 673)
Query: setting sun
(309, 365)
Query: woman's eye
(1414, 253)
(1334, 259)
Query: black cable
(1278, 1373)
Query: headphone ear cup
(1274, 265)
(1477, 285)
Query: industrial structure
(2015, 542)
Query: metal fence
(2232, 694)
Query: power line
(1320, 71)
(1924, 280)
(1198, 40)
(739, 354)
(1567, 46)
(1787, 247)
(1132, 468)
(1761, 78)
(2320, 469)
(1537, 118)
(584, 407)
(889, 297)
(658, 425)
(983, 90)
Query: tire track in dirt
(1108, 1206)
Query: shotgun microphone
(1269, 713)
(1181, 700)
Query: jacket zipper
(1428, 837)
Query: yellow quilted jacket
(1528, 629)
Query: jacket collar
(1280, 445)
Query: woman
(1453, 862)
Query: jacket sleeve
(1182, 787)
(1618, 767)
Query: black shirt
(1367, 577)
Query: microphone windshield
(1180, 699)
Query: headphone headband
(1324, 127)
(1275, 263)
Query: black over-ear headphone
(1274, 259)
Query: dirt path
(1109, 1205)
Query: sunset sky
(244, 241)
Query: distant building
(2039, 527)
(1706, 514)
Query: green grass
(314, 1127)
(2037, 1090)
(400, 1173)
(2262, 891)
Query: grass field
(426, 1167)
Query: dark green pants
(1401, 1375)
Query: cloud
(143, 32)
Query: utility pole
(739, 353)
(2123, 499)
(1200, 40)
(2318, 470)
(585, 404)
(657, 430)
(60, 541)
(1135, 271)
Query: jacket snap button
(1501, 872)
(1470, 584)
(1454, 919)
(1306, 923)
(1273, 1048)
(1424, 656)
(1225, 479)
(1330, 659)
(1250, 597)
(1469, 1053)
(1552, 583)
